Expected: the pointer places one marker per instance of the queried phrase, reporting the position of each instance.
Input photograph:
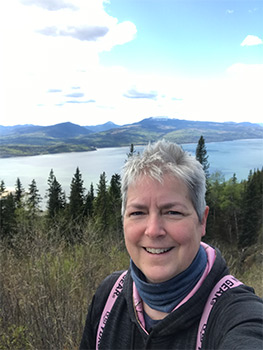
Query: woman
(161, 299)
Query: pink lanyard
(114, 293)
(227, 282)
(220, 288)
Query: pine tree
(56, 197)
(229, 203)
(101, 206)
(2, 190)
(252, 209)
(19, 193)
(7, 213)
(201, 155)
(76, 197)
(132, 151)
(89, 203)
(115, 204)
(33, 199)
(8, 221)
(2, 187)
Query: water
(229, 157)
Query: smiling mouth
(157, 250)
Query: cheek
(186, 233)
(130, 232)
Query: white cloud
(242, 70)
(54, 45)
(230, 12)
(84, 33)
(51, 5)
(51, 72)
(251, 40)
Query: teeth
(157, 251)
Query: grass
(46, 289)
(246, 265)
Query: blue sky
(189, 38)
(93, 61)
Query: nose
(154, 227)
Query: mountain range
(21, 140)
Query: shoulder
(104, 289)
(95, 310)
(109, 281)
(106, 286)
(241, 298)
(235, 320)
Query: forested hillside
(68, 137)
(52, 261)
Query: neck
(164, 297)
(154, 314)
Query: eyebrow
(164, 206)
(172, 205)
(137, 206)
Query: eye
(136, 213)
(173, 212)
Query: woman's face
(161, 227)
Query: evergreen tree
(132, 151)
(201, 155)
(8, 222)
(252, 209)
(101, 206)
(7, 213)
(216, 184)
(19, 193)
(76, 197)
(2, 187)
(33, 199)
(56, 197)
(89, 204)
(229, 203)
(2, 190)
(115, 204)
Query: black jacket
(235, 321)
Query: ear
(204, 220)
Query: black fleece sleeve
(236, 322)
(96, 307)
(88, 340)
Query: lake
(239, 157)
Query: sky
(93, 61)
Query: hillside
(68, 137)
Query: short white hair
(162, 158)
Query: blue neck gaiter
(166, 295)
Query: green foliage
(13, 337)
(33, 199)
(56, 197)
(102, 206)
(115, 204)
(2, 186)
(89, 202)
(201, 155)
(46, 286)
(252, 209)
(132, 151)
(19, 193)
(76, 197)
(7, 217)
(27, 149)
(235, 214)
